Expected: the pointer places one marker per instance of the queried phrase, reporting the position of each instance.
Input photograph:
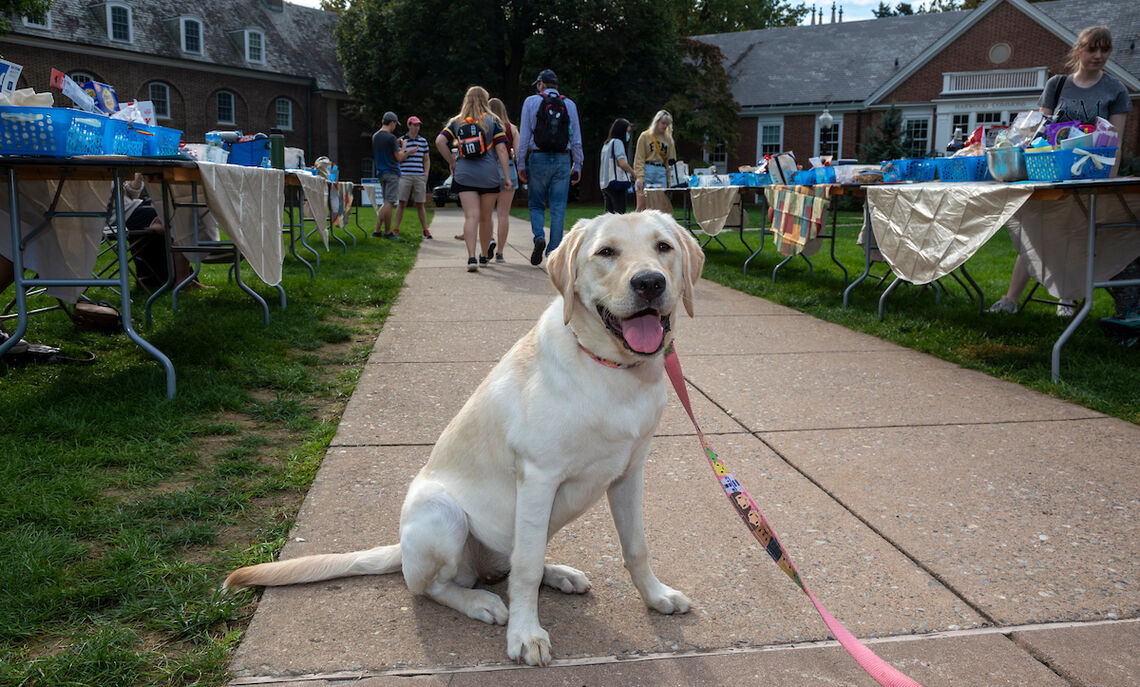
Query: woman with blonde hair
(654, 152)
(506, 193)
(1083, 94)
(479, 142)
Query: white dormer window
(225, 107)
(255, 46)
(191, 35)
(33, 24)
(119, 23)
(284, 109)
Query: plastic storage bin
(249, 153)
(121, 138)
(909, 169)
(51, 131)
(964, 168)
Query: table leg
(17, 266)
(1089, 288)
(867, 241)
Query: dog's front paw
(529, 644)
(668, 601)
(489, 608)
(566, 579)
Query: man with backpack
(549, 158)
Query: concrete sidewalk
(970, 530)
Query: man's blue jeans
(548, 181)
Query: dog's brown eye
(606, 252)
(663, 247)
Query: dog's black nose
(648, 285)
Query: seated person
(1084, 94)
(149, 251)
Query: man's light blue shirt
(526, 131)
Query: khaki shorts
(412, 188)
(390, 186)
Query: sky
(853, 10)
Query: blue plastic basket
(158, 141)
(51, 131)
(909, 169)
(964, 168)
(120, 138)
(1057, 165)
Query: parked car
(443, 194)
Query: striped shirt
(413, 165)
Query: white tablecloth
(247, 203)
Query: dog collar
(608, 363)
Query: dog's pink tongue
(644, 333)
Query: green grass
(1096, 372)
(121, 511)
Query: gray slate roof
(838, 63)
(299, 41)
(1122, 17)
(828, 63)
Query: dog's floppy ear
(563, 268)
(693, 261)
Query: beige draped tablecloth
(316, 190)
(926, 231)
(247, 203)
(1053, 237)
(711, 205)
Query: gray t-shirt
(1104, 98)
(482, 171)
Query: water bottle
(277, 148)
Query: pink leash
(883, 673)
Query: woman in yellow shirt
(654, 151)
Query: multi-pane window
(81, 77)
(829, 140)
(284, 109)
(255, 46)
(192, 36)
(771, 139)
(225, 107)
(160, 97)
(917, 136)
(961, 121)
(989, 117)
(717, 155)
(119, 23)
(33, 24)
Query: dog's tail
(378, 561)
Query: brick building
(942, 70)
(251, 65)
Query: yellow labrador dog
(572, 407)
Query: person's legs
(487, 222)
(469, 200)
(503, 210)
(538, 186)
(422, 212)
(399, 213)
(559, 191)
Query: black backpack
(552, 125)
(471, 139)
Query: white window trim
(925, 117)
(836, 121)
(46, 25)
(157, 114)
(130, 22)
(760, 124)
(201, 35)
(233, 107)
(248, 33)
(283, 127)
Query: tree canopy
(32, 9)
(614, 59)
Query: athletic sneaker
(536, 254)
(491, 248)
(472, 265)
(499, 257)
(1065, 309)
(1003, 305)
(482, 260)
(427, 234)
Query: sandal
(23, 353)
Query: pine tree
(885, 142)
